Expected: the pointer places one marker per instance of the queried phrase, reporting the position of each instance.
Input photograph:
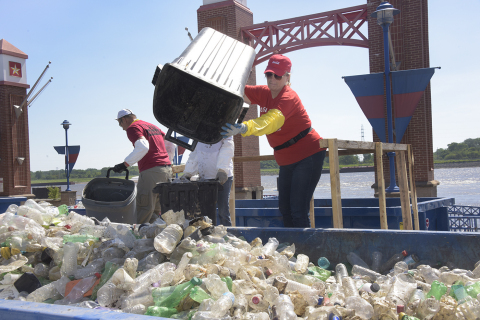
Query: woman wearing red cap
(296, 144)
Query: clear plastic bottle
(144, 298)
(215, 286)
(340, 272)
(417, 297)
(187, 256)
(160, 272)
(69, 266)
(376, 260)
(361, 306)
(402, 289)
(77, 292)
(223, 305)
(258, 303)
(108, 294)
(240, 306)
(349, 287)
(369, 287)
(48, 291)
(136, 309)
(284, 308)
(323, 263)
(270, 247)
(336, 293)
(411, 260)
(429, 274)
(355, 259)
(77, 221)
(391, 262)
(301, 264)
(41, 270)
(167, 240)
(361, 271)
(400, 267)
(428, 308)
(130, 266)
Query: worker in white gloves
(214, 162)
(153, 162)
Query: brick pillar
(14, 144)
(409, 32)
(228, 17)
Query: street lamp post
(66, 125)
(384, 14)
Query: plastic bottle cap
(256, 300)
(401, 315)
(375, 287)
(320, 301)
(67, 226)
(196, 281)
(400, 309)
(98, 275)
(404, 252)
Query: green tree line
(344, 160)
(466, 150)
(78, 173)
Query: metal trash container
(111, 198)
(202, 89)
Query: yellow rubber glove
(265, 124)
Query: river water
(463, 184)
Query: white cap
(124, 112)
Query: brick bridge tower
(14, 144)
(228, 17)
(409, 33)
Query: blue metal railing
(464, 218)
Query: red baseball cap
(278, 64)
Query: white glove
(233, 129)
(221, 176)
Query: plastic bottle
(258, 303)
(458, 292)
(403, 316)
(166, 241)
(355, 259)
(340, 272)
(429, 274)
(402, 289)
(108, 294)
(187, 256)
(222, 305)
(376, 260)
(144, 298)
(417, 297)
(78, 238)
(473, 290)
(302, 263)
(369, 287)
(164, 312)
(239, 306)
(77, 221)
(361, 306)
(470, 309)
(349, 287)
(110, 269)
(428, 308)
(270, 247)
(391, 262)
(154, 275)
(77, 292)
(41, 270)
(130, 266)
(180, 292)
(400, 267)
(323, 263)
(159, 294)
(198, 294)
(136, 309)
(284, 308)
(411, 260)
(215, 286)
(47, 291)
(437, 291)
(361, 271)
(69, 266)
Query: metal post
(391, 155)
(67, 161)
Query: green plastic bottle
(159, 294)
(198, 294)
(163, 312)
(320, 273)
(403, 316)
(437, 291)
(78, 238)
(473, 290)
(229, 283)
(180, 292)
(108, 272)
(458, 292)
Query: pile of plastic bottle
(175, 268)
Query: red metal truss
(332, 28)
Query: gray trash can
(111, 198)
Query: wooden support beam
(335, 183)
(403, 185)
(364, 145)
(312, 214)
(413, 187)
(382, 204)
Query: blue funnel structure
(368, 90)
(73, 152)
(408, 87)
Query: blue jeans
(222, 203)
(296, 185)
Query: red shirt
(296, 120)
(157, 154)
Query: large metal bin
(361, 213)
(5, 202)
(202, 89)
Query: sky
(104, 55)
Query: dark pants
(222, 203)
(296, 185)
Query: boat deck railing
(464, 218)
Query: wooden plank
(335, 184)
(364, 145)
(231, 203)
(253, 158)
(178, 168)
(312, 214)
(403, 185)
(382, 204)
(413, 187)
